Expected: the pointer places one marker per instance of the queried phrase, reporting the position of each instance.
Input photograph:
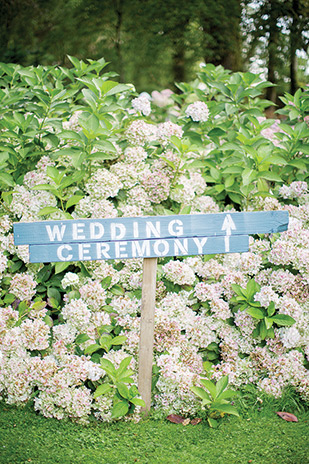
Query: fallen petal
(186, 422)
(175, 418)
(196, 421)
(287, 416)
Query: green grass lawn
(264, 438)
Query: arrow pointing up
(228, 225)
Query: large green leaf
(221, 385)
(283, 319)
(272, 176)
(7, 179)
(256, 312)
(226, 408)
(102, 390)
(120, 409)
(123, 390)
(92, 348)
(201, 393)
(211, 387)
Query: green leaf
(81, 338)
(117, 290)
(201, 393)
(138, 402)
(92, 348)
(53, 292)
(268, 322)
(70, 135)
(213, 423)
(226, 408)
(74, 61)
(120, 409)
(106, 342)
(53, 303)
(283, 320)
(256, 312)
(271, 333)
(108, 366)
(106, 282)
(105, 145)
(123, 390)
(119, 340)
(271, 309)
(124, 364)
(99, 155)
(221, 385)
(102, 390)
(239, 291)
(48, 210)
(227, 394)
(73, 200)
(211, 387)
(118, 89)
(262, 330)
(272, 176)
(128, 378)
(48, 321)
(7, 179)
(252, 288)
(60, 267)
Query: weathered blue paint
(138, 248)
(150, 227)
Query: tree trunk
(179, 64)
(271, 93)
(293, 47)
(119, 13)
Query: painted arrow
(228, 225)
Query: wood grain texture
(147, 330)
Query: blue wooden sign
(145, 237)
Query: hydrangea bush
(74, 143)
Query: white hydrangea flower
(198, 111)
(70, 279)
(142, 104)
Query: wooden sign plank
(150, 227)
(188, 246)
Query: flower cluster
(57, 320)
(142, 104)
(198, 111)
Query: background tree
(155, 43)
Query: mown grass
(263, 438)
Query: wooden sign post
(148, 237)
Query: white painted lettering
(180, 247)
(118, 231)
(227, 243)
(102, 250)
(140, 249)
(175, 227)
(55, 233)
(83, 251)
(153, 229)
(96, 230)
(158, 244)
(78, 229)
(200, 243)
(120, 250)
(60, 254)
(135, 229)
